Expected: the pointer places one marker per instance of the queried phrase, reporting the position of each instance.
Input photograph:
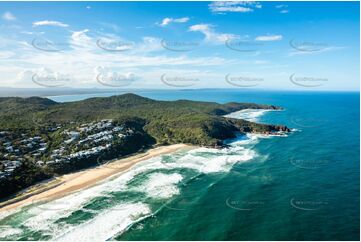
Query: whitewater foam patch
(43, 215)
(6, 213)
(107, 224)
(161, 186)
(7, 231)
(208, 160)
(252, 115)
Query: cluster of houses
(15, 148)
(87, 140)
(80, 142)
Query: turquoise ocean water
(304, 186)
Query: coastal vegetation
(41, 138)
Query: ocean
(302, 186)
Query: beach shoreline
(70, 183)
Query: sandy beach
(66, 184)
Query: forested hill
(168, 122)
(40, 138)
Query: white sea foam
(208, 160)
(246, 139)
(6, 231)
(160, 185)
(6, 213)
(43, 216)
(252, 115)
(107, 224)
(203, 160)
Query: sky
(173, 45)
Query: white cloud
(283, 8)
(78, 34)
(114, 76)
(88, 7)
(79, 60)
(167, 21)
(32, 33)
(27, 32)
(210, 34)
(81, 41)
(25, 75)
(234, 6)
(44, 77)
(50, 23)
(149, 44)
(234, 9)
(6, 54)
(269, 38)
(8, 16)
(307, 50)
